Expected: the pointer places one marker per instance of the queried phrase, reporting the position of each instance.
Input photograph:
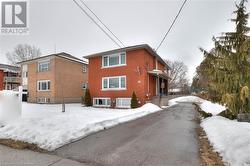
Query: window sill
(106, 67)
(123, 107)
(117, 89)
(101, 106)
(43, 90)
(43, 71)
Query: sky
(60, 26)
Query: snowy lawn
(49, 128)
(230, 138)
(205, 105)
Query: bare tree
(178, 74)
(23, 52)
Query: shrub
(134, 101)
(87, 98)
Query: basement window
(123, 102)
(43, 100)
(102, 102)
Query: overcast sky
(61, 23)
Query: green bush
(87, 98)
(134, 101)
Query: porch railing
(12, 79)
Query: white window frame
(101, 98)
(42, 81)
(47, 61)
(122, 106)
(43, 100)
(113, 55)
(119, 88)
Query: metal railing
(12, 79)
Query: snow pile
(212, 108)
(190, 99)
(205, 105)
(230, 138)
(49, 128)
(10, 107)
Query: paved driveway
(165, 138)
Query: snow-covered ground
(49, 128)
(205, 105)
(230, 138)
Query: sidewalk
(13, 157)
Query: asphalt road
(165, 138)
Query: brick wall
(1, 79)
(66, 78)
(137, 79)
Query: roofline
(9, 65)
(130, 48)
(57, 55)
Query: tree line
(224, 73)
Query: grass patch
(208, 156)
(21, 145)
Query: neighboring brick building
(54, 78)
(114, 75)
(1, 79)
(9, 77)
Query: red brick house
(1, 79)
(115, 74)
(9, 77)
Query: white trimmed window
(43, 100)
(43, 66)
(43, 85)
(114, 83)
(102, 102)
(123, 102)
(114, 60)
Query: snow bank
(191, 99)
(10, 107)
(212, 108)
(205, 105)
(230, 138)
(49, 128)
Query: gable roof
(9, 68)
(61, 55)
(130, 48)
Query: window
(102, 102)
(84, 68)
(114, 60)
(43, 85)
(114, 83)
(123, 102)
(43, 100)
(84, 85)
(43, 66)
